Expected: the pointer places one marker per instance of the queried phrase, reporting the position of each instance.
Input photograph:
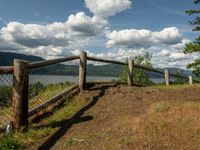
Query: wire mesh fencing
(103, 72)
(6, 81)
(178, 80)
(49, 81)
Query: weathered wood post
(82, 70)
(130, 72)
(20, 94)
(190, 80)
(167, 77)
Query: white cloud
(75, 32)
(133, 38)
(83, 25)
(68, 37)
(106, 8)
(129, 38)
(44, 39)
(169, 36)
(172, 58)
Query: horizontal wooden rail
(51, 61)
(149, 69)
(6, 70)
(106, 61)
(52, 100)
(178, 76)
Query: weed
(8, 142)
(125, 141)
(162, 107)
(71, 142)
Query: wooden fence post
(130, 72)
(82, 70)
(167, 77)
(20, 94)
(190, 80)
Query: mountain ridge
(110, 70)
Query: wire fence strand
(46, 82)
(6, 81)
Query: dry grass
(177, 127)
(126, 118)
(39, 132)
(44, 95)
(47, 93)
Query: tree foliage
(140, 76)
(195, 45)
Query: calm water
(52, 79)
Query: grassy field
(38, 94)
(121, 117)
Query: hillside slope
(110, 116)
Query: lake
(53, 79)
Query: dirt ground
(112, 116)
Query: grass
(43, 95)
(44, 129)
(161, 107)
(172, 86)
(177, 127)
(9, 142)
(163, 125)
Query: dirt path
(109, 118)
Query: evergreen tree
(195, 45)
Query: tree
(195, 45)
(178, 80)
(140, 76)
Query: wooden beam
(82, 70)
(167, 77)
(20, 94)
(6, 69)
(106, 61)
(190, 80)
(130, 72)
(51, 61)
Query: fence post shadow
(65, 125)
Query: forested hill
(112, 70)
(6, 58)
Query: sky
(112, 29)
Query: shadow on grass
(55, 107)
(66, 124)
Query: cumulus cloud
(133, 38)
(80, 30)
(167, 36)
(62, 36)
(83, 25)
(43, 39)
(172, 58)
(106, 8)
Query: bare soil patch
(121, 117)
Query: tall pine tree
(195, 45)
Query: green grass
(9, 142)
(162, 107)
(44, 128)
(44, 94)
(172, 86)
(47, 93)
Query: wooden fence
(20, 71)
